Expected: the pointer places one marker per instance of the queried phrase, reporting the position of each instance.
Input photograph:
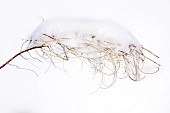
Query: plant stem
(16, 55)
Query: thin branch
(152, 60)
(16, 55)
(24, 69)
(49, 37)
(150, 52)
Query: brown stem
(152, 60)
(26, 50)
(150, 52)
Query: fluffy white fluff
(74, 28)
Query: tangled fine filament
(107, 52)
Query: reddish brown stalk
(21, 52)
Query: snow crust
(61, 28)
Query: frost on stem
(106, 47)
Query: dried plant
(99, 55)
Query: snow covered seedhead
(105, 46)
(76, 28)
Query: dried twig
(21, 52)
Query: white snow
(148, 20)
(104, 30)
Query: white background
(57, 92)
